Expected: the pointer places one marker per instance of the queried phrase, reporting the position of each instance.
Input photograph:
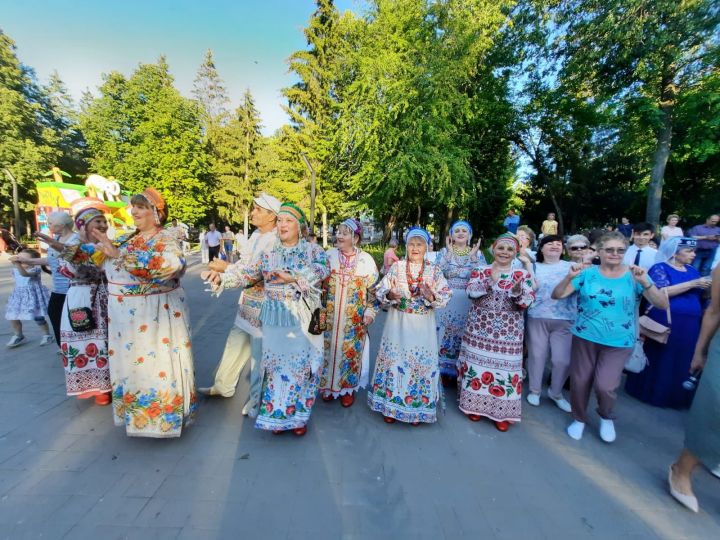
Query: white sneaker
(562, 403)
(47, 338)
(533, 399)
(15, 341)
(575, 430)
(607, 430)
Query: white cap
(268, 202)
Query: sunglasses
(613, 251)
(578, 248)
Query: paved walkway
(67, 472)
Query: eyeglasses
(613, 251)
(578, 248)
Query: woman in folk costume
(405, 381)
(291, 357)
(151, 361)
(456, 261)
(491, 353)
(349, 312)
(84, 319)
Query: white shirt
(647, 256)
(256, 245)
(213, 238)
(668, 232)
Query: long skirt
(491, 364)
(85, 354)
(290, 376)
(151, 363)
(405, 380)
(451, 325)
(702, 434)
(660, 383)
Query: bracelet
(650, 285)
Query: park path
(67, 472)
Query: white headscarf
(670, 247)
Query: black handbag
(81, 319)
(318, 320)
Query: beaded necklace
(461, 252)
(414, 284)
(348, 263)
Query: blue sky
(81, 39)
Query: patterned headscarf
(354, 226)
(418, 232)
(292, 210)
(87, 209)
(507, 238)
(462, 224)
(156, 202)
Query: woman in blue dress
(660, 383)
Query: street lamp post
(312, 192)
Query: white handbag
(637, 360)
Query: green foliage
(28, 144)
(144, 133)
(412, 133)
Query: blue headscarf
(461, 223)
(672, 245)
(418, 232)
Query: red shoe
(327, 398)
(389, 419)
(415, 423)
(300, 431)
(474, 417)
(103, 399)
(277, 432)
(347, 400)
(502, 426)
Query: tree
(410, 136)
(235, 161)
(210, 92)
(27, 145)
(312, 101)
(606, 61)
(143, 132)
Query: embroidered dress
(491, 352)
(291, 357)
(84, 353)
(29, 299)
(405, 381)
(347, 347)
(451, 319)
(151, 362)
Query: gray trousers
(548, 337)
(599, 367)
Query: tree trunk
(446, 227)
(660, 159)
(558, 211)
(389, 226)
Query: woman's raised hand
(105, 245)
(475, 248)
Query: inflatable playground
(59, 195)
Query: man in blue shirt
(512, 221)
(625, 228)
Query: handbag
(318, 320)
(637, 361)
(654, 330)
(79, 311)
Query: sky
(82, 39)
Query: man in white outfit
(245, 339)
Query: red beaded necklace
(414, 284)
